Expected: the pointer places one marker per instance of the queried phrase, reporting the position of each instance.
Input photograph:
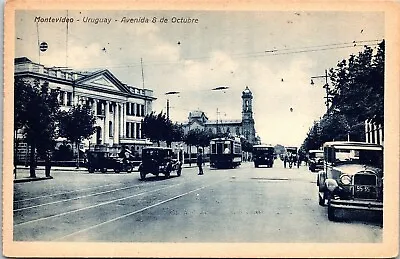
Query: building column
(94, 108)
(106, 121)
(116, 124)
(376, 128)
(123, 120)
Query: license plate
(363, 188)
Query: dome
(246, 92)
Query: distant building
(241, 128)
(119, 108)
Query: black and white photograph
(219, 130)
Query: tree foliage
(357, 90)
(36, 111)
(198, 138)
(157, 127)
(77, 123)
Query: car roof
(352, 144)
(263, 145)
(315, 151)
(157, 148)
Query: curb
(22, 180)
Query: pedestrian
(200, 161)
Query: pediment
(102, 82)
(103, 79)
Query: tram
(225, 152)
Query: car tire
(91, 170)
(179, 171)
(103, 170)
(116, 170)
(142, 175)
(256, 165)
(129, 168)
(331, 212)
(321, 200)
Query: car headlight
(345, 179)
(331, 184)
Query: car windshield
(354, 156)
(317, 155)
(264, 150)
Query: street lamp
(326, 86)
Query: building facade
(240, 128)
(118, 107)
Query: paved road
(246, 204)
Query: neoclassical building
(119, 108)
(241, 128)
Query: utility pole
(167, 108)
(326, 86)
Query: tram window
(213, 149)
(219, 148)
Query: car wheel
(116, 170)
(321, 200)
(255, 165)
(103, 170)
(142, 175)
(331, 212)
(91, 170)
(179, 171)
(129, 168)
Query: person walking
(200, 161)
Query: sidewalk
(22, 174)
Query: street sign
(43, 46)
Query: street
(245, 204)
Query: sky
(274, 53)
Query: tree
(36, 110)
(198, 138)
(77, 124)
(357, 90)
(157, 127)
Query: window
(69, 99)
(110, 107)
(142, 110)
(127, 130)
(61, 97)
(133, 130)
(110, 128)
(137, 109)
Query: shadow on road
(362, 217)
(157, 178)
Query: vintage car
(101, 160)
(263, 155)
(156, 160)
(315, 160)
(352, 177)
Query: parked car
(352, 177)
(263, 155)
(100, 160)
(315, 160)
(156, 160)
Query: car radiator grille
(365, 186)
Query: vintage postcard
(201, 129)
